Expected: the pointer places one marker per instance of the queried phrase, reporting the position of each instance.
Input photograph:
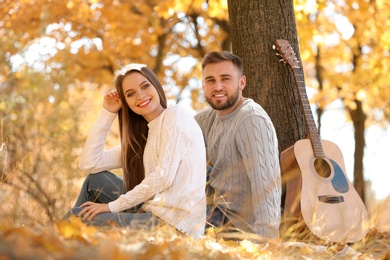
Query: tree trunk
(319, 78)
(358, 118)
(255, 25)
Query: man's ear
(242, 82)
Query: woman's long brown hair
(133, 128)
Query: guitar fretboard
(309, 119)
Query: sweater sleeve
(259, 148)
(173, 146)
(93, 157)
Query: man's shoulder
(205, 114)
(251, 108)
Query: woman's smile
(145, 103)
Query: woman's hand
(112, 102)
(91, 209)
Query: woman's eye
(146, 86)
(130, 94)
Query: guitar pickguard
(339, 181)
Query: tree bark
(320, 79)
(255, 25)
(358, 119)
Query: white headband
(135, 66)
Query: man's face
(223, 86)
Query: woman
(162, 156)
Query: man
(242, 150)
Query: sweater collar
(155, 121)
(234, 112)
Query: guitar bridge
(331, 199)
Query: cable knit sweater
(242, 148)
(175, 168)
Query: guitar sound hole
(322, 167)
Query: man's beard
(222, 106)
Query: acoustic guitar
(317, 187)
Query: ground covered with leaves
(75, 240)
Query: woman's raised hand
(112, 101)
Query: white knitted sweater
(175, 168)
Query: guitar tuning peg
(281, 60)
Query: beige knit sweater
(243, 150)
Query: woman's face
(141, 96)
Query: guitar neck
(289, 57)
(308, 115)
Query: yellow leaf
(75, 228)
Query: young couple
(163, 156)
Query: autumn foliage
(57, 59)
(74, 240)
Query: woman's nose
(141, 95)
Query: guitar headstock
(287, 53)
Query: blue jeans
(104, 187)
(215, 216)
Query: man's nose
(218, 85)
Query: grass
(74, 240)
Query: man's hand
(91, 209)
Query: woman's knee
(103, 179)
(74, 211)
(97, 178)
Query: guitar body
(330, 206)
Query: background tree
(254, 32)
